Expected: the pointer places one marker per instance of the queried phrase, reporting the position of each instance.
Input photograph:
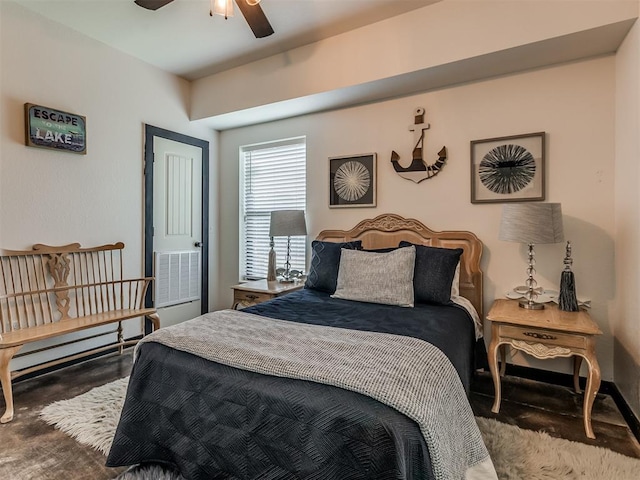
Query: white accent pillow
(377, 277)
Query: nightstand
(258, 291)
(547, 333)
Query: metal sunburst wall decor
(508, 169)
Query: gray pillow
(434, 273)
(377, 277)
(325, 260)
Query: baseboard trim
(70, 363)
(625, 410)
(566, 380)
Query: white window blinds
(273, 178)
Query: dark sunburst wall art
(352, 181)
(508, 169)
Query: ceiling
(182, 38)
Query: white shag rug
(525, 454)
(91, 418)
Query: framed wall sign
(50, 128)
(352, 181)
(508, 169)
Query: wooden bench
(51, 291)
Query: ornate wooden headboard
(388, 230)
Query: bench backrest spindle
(24, 285)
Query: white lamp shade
(287, 223)
(531, 223)
(223, 8)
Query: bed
(334, 381)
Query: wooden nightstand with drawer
(258, 291)
(547, 333)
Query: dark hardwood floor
(30, 449)
(33, 450)
(556, 410)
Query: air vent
(177, 277)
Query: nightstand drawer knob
(251, 297)
(541, 336)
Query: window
(272, 177)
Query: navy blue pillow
(325, 262)
(433, 273)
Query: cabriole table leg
(495, 374)
(593, 385)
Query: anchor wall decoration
(419, 170)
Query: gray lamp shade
(287, 223)
(531, 223)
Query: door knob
(197, 244)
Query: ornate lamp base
(286, 276)
(531, 305)
(528, 301)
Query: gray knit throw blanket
(408, 374)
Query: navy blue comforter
(210, 421)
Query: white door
(177, 229)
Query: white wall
(59, 198)
(573, 103)
(627, 204)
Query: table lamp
(287, 223)
(531, 223)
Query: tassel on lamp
(567, 300)
(271, 269)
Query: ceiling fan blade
(152, 4)
(256, 18)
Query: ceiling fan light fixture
(252, 2)
(222, 7)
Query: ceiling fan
(251, 10)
